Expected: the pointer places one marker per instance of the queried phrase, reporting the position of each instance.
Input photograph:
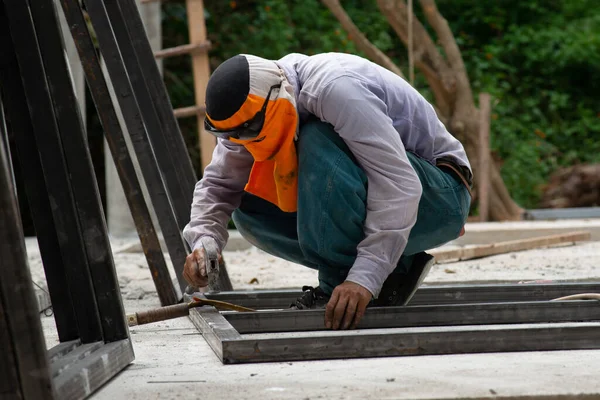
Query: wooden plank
(88, 374)
(484, 155)
(507, 247)
(56, 171)
(191, 111)
(191, 49)
(81, 173)
(21, 131)
(139, 136)
(26, 357)
(201, 70)
(115, 138)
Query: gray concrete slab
(173, 361)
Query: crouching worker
(335, 163)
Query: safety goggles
(249, 129)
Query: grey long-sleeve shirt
(380, 117)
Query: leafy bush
(540, 59)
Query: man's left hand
(347, 306)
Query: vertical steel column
(120, 153)
(56, 172)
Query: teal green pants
(332, 193)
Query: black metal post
(21, 130)
(56, 172)
(144, 78)
(81, 171)
(139, 137)
(23, 361)
(120, 153)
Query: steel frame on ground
(439, 320)
(43, 121)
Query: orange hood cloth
(274, 174)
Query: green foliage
(540, 59)
(541, 62)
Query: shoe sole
(422, 276)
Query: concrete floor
(174, 362)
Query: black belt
(461, 171)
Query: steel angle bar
(490, 293)
(21, 130)
(160, 96)
(84, 369)
(80, 171)
(415, 316)
(55, 169)
(411, 342)
(137, 131)
(155, 107)
(120, 153)
(214, 328)
(23, 360)
(426, 295)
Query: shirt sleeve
(394, 190)
(218, 193)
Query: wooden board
(507, 247)
(201, 70)
(484, 155)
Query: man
(335, 163)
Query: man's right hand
(194, 270)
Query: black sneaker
(311, 298)
(398, 289)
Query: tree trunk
(577, 186)
(359, 39)
(447, 77)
